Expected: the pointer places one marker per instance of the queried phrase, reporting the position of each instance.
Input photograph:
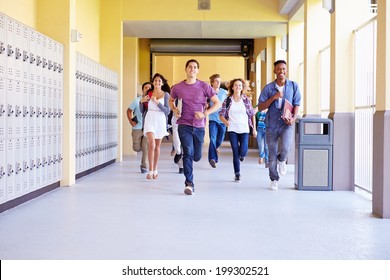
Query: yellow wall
(88, 24)
(25, 15)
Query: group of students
(192, 100)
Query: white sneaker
(273, 186)
(282, 168)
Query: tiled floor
(116, 213)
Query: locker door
(18, 41)
(10, 109)
(49, 165)
(31, 164)
(44, 160)
(55, 158)
(3, 165)
(3, 115)
(60, 159)
(18, 109)
(45, 63)
(3, 46)
(55, 111)
(49, 105)
(25, 167)
(32, 110)
(38, 162)
(10, 49)
(44, 110)
(10, 172)
(25, 107)
(39, 58)
(18, 165)
(33, 56)
(26, 54)
(38, 113)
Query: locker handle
(2, 173)
(39, 61)
(18, 168)
(25, 112)
(25, 55)
(32, 164)
(10, 110)
(18, 54)
(10, 170)
(10, 51)
(2, 49)
(32, 58)
(2, 111)
(25, 166)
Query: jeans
(262, 144)
(191, 139)
(217, 134)
(285, 134)
(239, 144)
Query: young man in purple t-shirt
(192, 119)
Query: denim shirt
(291, 93)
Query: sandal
(155, 174)
(150, 175)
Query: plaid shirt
(248, 106)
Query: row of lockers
(29, 56)
(96, 114)
(31, 114)
(28, 164)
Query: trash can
(314, 154)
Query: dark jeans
(217, 134)
(239, 143)
(191, 139)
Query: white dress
(155, 120)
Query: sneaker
(143, 169)
(242, 158)
(237, 179)
(177, 158)
(213, 163)
(181, 170)
(273, 186)
(189, 189)
(282, 168)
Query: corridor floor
(116, 213)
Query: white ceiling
(214, 29)
(203, 29)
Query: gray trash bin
(314, 154)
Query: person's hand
(177, 113)
(254, 133)
(145, 98)
(289, 122)
(133, 123)
(200, 115)
(278, 95)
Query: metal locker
(3, 46)
(25, 109)
(3, 166)
(32, 110)
(10, 169)
(44, 160)
(10, 49)
(39, 58)
(38, 109)
(18, 97)
(55, 158)
(10, 108)
(60, 159)
(26, 54)
(18, 43)
(38, 162)
(33, 56)
(49, 153)
(45, 63)
(31, 163)
(49, 105)
(44, 111)
(55, 111)
(3, 106)
(18, 166)
(25, 166)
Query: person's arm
(173, 107)
(294, 118)
(165, 108)
(216, 105)
(130, 116)
(268, 102)
(222, 113)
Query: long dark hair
(165, 87)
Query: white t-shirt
(238, 119)
(280, 89)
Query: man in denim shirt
(273, 97)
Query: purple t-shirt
(194, 98)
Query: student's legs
(272, 142)
(233, 138)
(213, 132)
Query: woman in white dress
(155, 125)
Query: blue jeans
(262, 144)
(239, 143)
(217, 134)
(191, 139)
(285, 134)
